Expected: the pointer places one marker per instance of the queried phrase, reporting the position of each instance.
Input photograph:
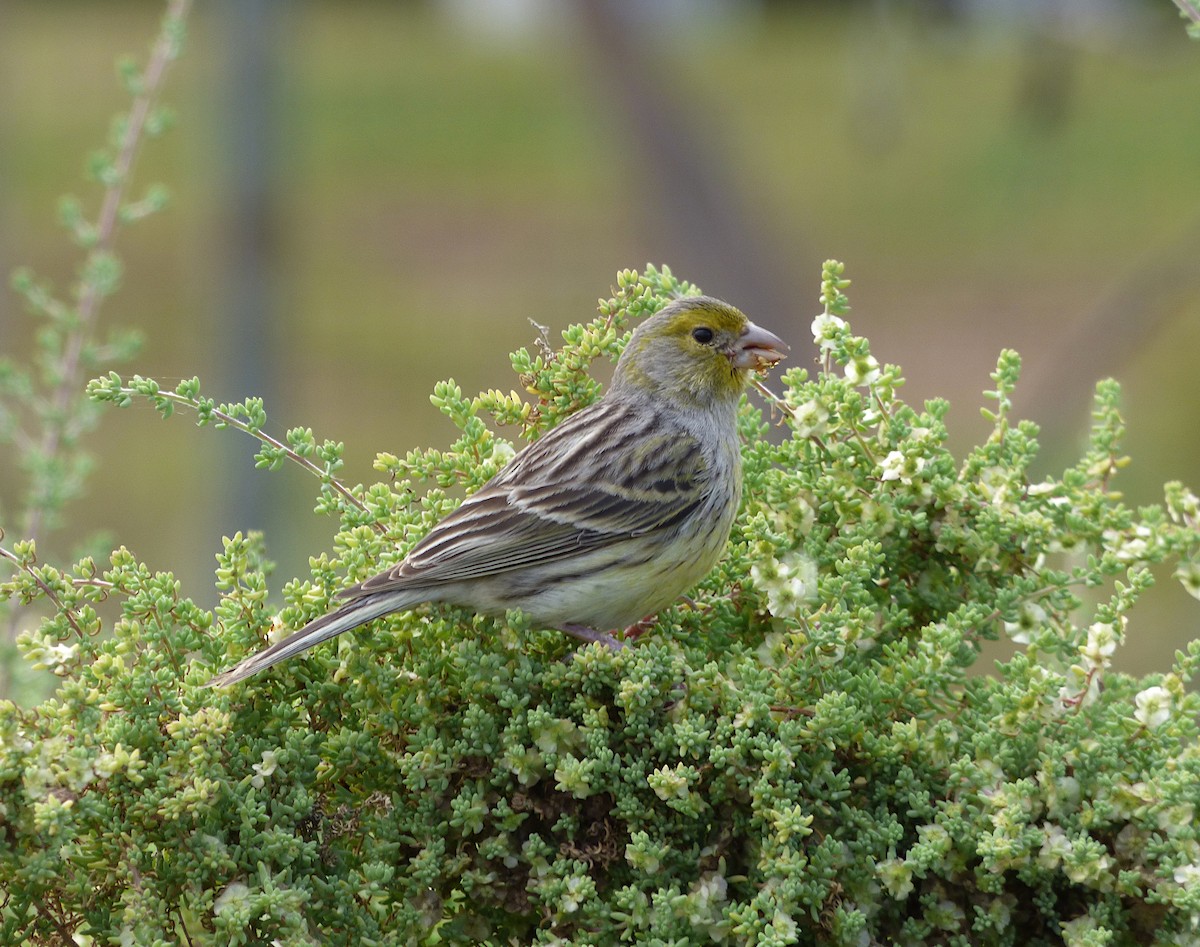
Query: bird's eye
(702, 334)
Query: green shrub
(803, 752)
(796, 755)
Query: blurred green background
(369, 197)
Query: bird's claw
(591, 635)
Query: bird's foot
(584, 633)
(638, 628)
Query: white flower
(1153, 707)
(985, 767)
(896, 466)
(809, 418)
(503, 451)
(235, 896)
(789, 582)
(794, 518)
(1130, 799)
(1185, 508)
(782, 929)
(62, 653)
(994, 484)
(852, 634)
(896, 877)
(1129, 548)
(863, 371)
(48, 654)
(709, 892)
(1075, 932)
(1102, 641)
(264, 769)
(278, 630)
(1189, 574)
(1047, 487)
(1029, 619)
(669, 783)
(825, 329)
(59, 654)
(1187, 876)
(577, 891)
(108, 763)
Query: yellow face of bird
(698, 349)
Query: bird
(607, 518)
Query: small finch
(609, 517)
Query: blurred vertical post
(249, 238)
(698, 210)
(7, 184)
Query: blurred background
(369, 197)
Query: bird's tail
(351, 615)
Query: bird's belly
(612, 588)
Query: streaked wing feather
(560, 497)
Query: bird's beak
(757, 349)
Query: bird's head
(698, 350)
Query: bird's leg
(638, 628)
(583, 633)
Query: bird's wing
(579, 488)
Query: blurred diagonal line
(1104, 341)
(702, 217)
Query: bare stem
(1189, 9)
(223, 418)
(776, 401)
(163, 53)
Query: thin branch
(46, 590)
(164, 51)
(229, 420)
(775, 400)
(1189, 9)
